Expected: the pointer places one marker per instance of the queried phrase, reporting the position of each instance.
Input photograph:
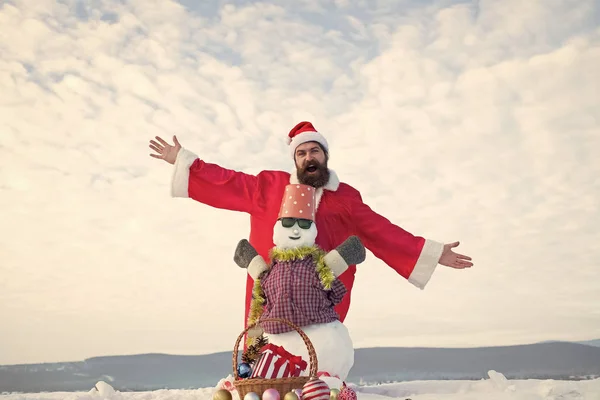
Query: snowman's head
(290, 233)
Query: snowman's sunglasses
(288, 222)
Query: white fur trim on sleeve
(428, 260)
(257, 266)
(335, 262)
(181, 173)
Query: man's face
(311, 164)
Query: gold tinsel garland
(299, 253)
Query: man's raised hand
(165, 150)
(454, 260)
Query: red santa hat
(302, 133)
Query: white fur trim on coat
(257, 266)
(181, 173)
(335, 262)
(428, 260)
(307, 137)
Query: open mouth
(311, 169)
(294, 237)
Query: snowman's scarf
(299, 253)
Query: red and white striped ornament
(315, 389)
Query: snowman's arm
(247, 257)
(337, 292)
(351, 252)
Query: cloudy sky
(475, 121)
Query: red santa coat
(340, 213)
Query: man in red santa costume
(340, 210)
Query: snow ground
(497, 387)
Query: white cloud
(473, 121)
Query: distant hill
(554, 360)
(595, 342)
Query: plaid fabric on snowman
(295, 292)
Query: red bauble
(347, 393)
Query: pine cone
(253, 351)
(250, 355)
(261, 341)
(247, 358)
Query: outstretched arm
(204, 182)
(413, 257)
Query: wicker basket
(283, 385)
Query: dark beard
(317, 179)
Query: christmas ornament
(276, 362)
(333, 394)
(315, 389)
(244, 370)
(347, 393)
(270, 394)
(253, 350)
(222, 394)
(251, 396)
(291, 396)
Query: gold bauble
(222, 394)
(290, 396)
(333, 394)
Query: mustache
(313, 163)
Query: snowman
(301, 285)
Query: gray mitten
(246, 256)
(351, 252)
(244, 253)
